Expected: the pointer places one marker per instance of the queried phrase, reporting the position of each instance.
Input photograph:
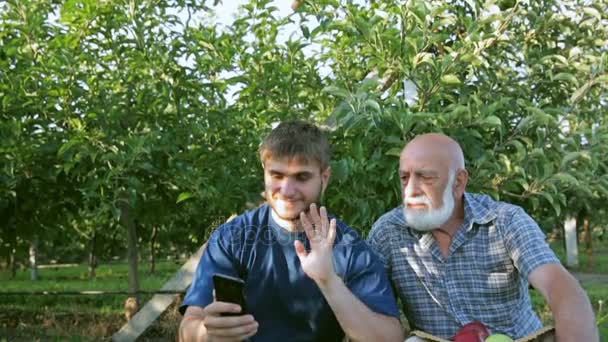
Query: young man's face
(291, 186)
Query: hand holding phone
(230, 290)
(222, 327)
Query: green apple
(499, 338)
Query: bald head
(436, 148)
(433, 181)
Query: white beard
(428, 219)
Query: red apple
(472, 332)
(466, 336)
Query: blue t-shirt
(286, 303)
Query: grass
(110, 277)
(76, 317)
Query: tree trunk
(7, 257)
(13, 262)
(153, 249)
(92, 257)
(571, 242)
(129, 223)
(34, 258)
(588, 242)
(12, 240)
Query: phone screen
(230, 290)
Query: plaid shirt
(483, 278)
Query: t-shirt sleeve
(525, 242)
(218, 257)
(367, 279)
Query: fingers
(314, 216)
(300, 249)
(323, 221)
(238, 333)
(331, 235)
(307, 225)
(228, 327)
(218, 308)
(228, 322)
(234, 332)
(316, 223)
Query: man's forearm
(573, 314)
(356, 319)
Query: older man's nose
(411, 189)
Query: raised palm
(321, 232)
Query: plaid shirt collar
(474, 212)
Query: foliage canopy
(110, 102)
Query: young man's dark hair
(297, 140)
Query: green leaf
(362, 26)
(580, 92)
(571, 156)
(565, 178)
(340, 170)
(536, 153)
(492, 120)
(592, 12)
(305, 31)
(395, 151)
(369, 103)
(519, 148)
(525, 123)
(68, 145)
(506, 162)
(369, 84)
(472, 4)
(450, 79)
(183, 196)
(564, 76)
(116, 212)
(423, 57)
(393, 139)
(561, 59)
(358, 150)
(76, 124)
(336, 91)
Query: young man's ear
(325, 176)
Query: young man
(457, 257)
(308, 278)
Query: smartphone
(230, 290)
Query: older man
(456, 257)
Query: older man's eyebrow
(427, 173)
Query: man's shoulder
(248, 221)
(389, 221)
(484, 205)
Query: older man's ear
(460, 184)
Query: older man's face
(427, 187)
